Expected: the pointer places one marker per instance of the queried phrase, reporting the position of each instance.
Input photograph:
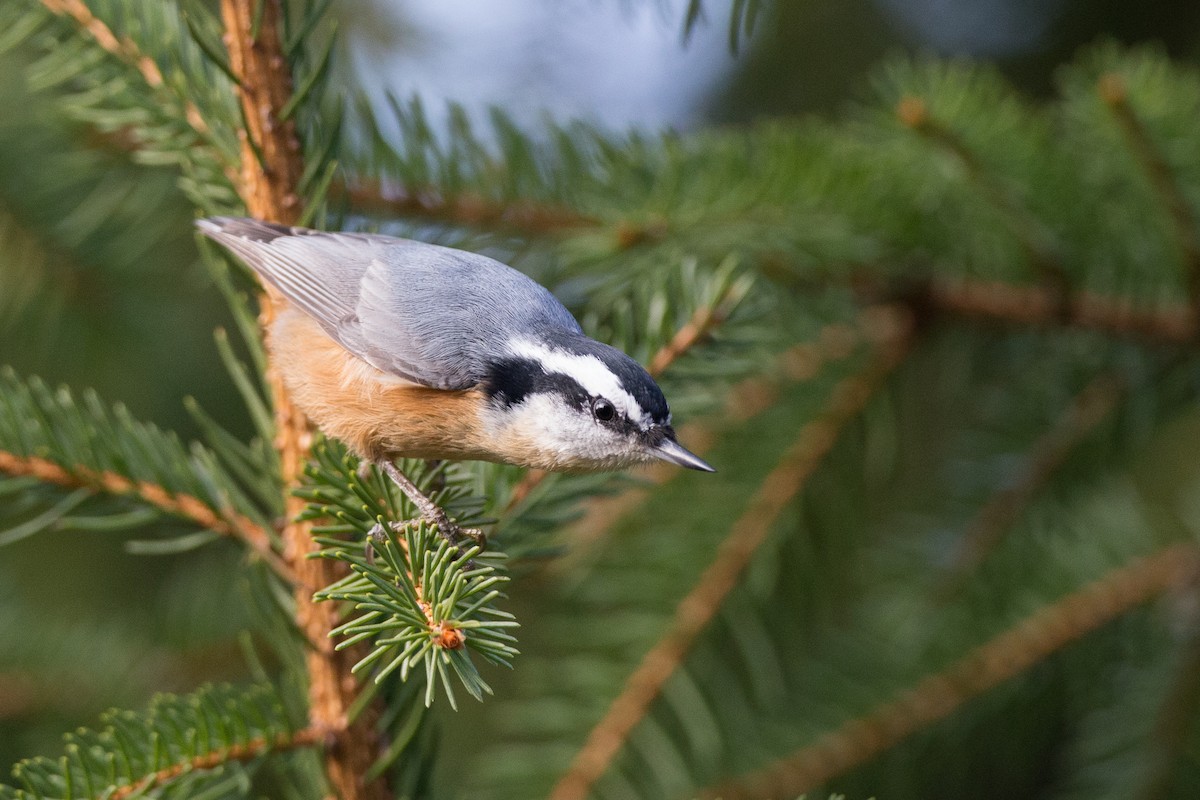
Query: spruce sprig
(423, 602)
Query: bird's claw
(431, 512)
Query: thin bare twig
(226, 522)
(1046, 631)
(306, 737)
(696, 610)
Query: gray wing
(431, 315)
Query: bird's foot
(454, 533)
(431, 512)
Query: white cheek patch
(591, 373)
(551, 426)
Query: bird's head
(573, 403)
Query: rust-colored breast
(374, 413)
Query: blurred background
(82, 311)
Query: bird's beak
(673, 451)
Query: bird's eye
(603, 410)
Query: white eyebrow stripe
(591, 373)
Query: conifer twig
(270, 172)
(1030, 233)
(1115, 95)
(1046, 631)
(247, 751)
(123, 49)
(444, 635)
(463, 208)
(703, 322)
(697, 609)
(227, 522)
(1090, 407)
(1031, 305)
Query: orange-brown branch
(270, 172)
(1007, 655)
(696, 610)
(464, 208)
(704, 321)
(306, 737)
(1029, 305)
(190, 508)
(122, 48)
(271, 160)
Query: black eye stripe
(513, 379)
(510, 381)
(631, 376)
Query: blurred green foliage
(870, 579)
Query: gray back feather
(431, 315)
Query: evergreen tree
(940, 350)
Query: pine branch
(247, 751)
(50, 436)
(705, 320)
(1041, 307)
(422, 602)
(1043, 633)
(1115, 95)
(176, 741)
(465, 208)
(695, 611)
(123, 49)
(1035, 240)
(271, 171)
(176, 130)
(192, 509)
(1087, 410)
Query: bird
(403, 349)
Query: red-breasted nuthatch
(405, 349)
